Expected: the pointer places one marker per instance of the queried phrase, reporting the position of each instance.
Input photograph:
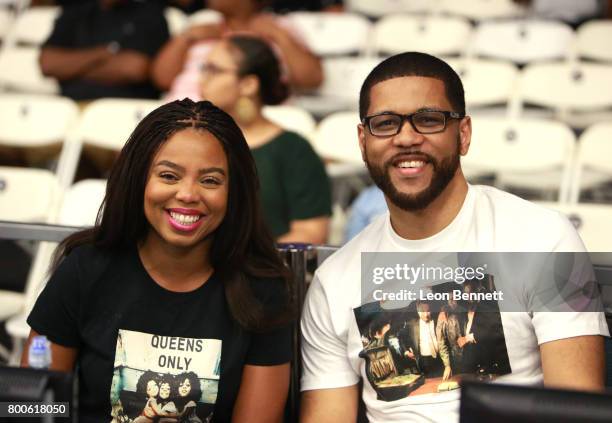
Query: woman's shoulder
(90, 258)
(89, 251)
(292, 143)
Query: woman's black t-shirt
(146, 352)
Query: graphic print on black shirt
(407, 350)
(164, 378)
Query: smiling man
(412, 133)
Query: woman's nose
(187, 192)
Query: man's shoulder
(511, 209)
(518, 224)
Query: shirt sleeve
(306, 183)
(64, 29)
(576, 309)
(55, 313)
(270, 348)
(324, 354)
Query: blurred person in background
(571, 12)
(369, 204)
(286, 6)
(241, 75)
(105, 48)
(176, 67)
(187, 6)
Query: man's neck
(421, 224)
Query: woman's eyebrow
(170, 165)
(180, 168)
(212, 170)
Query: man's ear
(249, 86)
(361, 135)
(465, 135)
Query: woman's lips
(184, 222)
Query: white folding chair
(20, 72)
(336, 141)
(106, 123)
(523, 153)
(341, 84)
(34, 25)
(81, 203)
(380, 8)
(204, 17)
(522, 41)
(26, 195)
(576, 92)
(328, 34)
(593, 166)
(489, 87)
(592, 40)
(487, 83)
(6, 20)
(34, 121)
(292, 118)
(592, 221)
(437, 35)
(176, 20)
(79, 207)
(479, 10)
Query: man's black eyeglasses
(387, 124)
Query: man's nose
(407, 136)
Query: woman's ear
(249, 86)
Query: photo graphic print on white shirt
(408, 349)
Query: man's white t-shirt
(489, 220)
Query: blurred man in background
(104, 49)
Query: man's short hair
(414, 64)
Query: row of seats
(570, 91)
(522, 151)
(573, 92)
(518, 40)
(35, 195)
(475, 10)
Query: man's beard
(442, 173)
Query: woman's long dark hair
(195, 393)
(242, 248)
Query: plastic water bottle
(39, 354)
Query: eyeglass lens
(423, 122)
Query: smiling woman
(179, 252)
(185, 198)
